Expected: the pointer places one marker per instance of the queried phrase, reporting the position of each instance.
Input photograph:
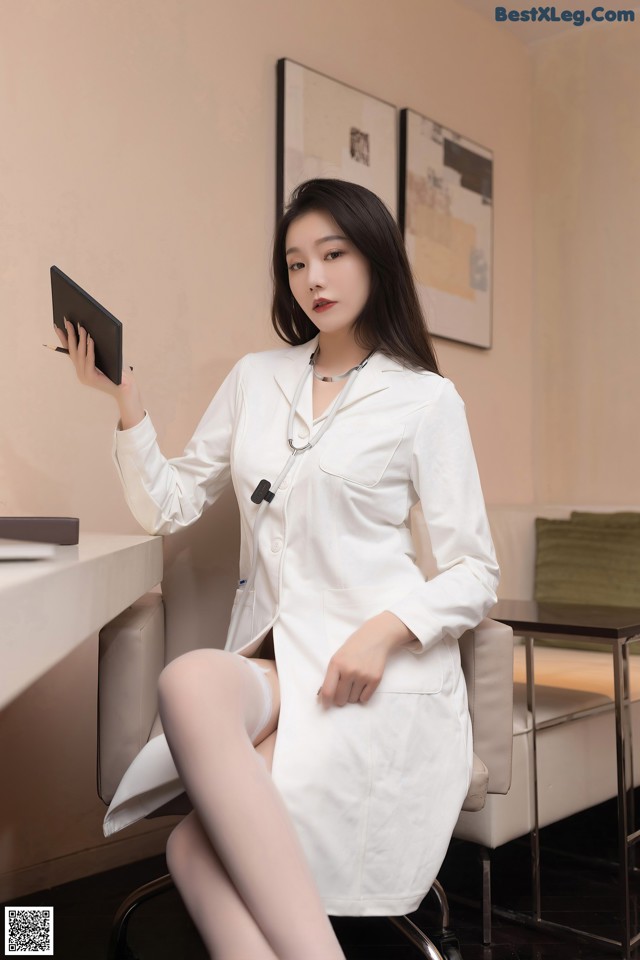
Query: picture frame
(446, 216)
(326, 128)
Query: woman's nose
(315, 275)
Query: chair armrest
(131, 656)
(487, 662)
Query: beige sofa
(566, 681)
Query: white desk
(49, 607)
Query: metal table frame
(628, 836)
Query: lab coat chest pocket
(345, 610)
(361, 450)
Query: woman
(357, 705)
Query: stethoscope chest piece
(262, 492)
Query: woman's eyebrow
(323, 240)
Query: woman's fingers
(344, 691)
(91, 360)
(83, 354)
(339, 690)
(355, 692)
(78, 341)
(71, 340)
(329, 684)
(77, 346)
(86, 367)
(367, 692)
(91, 352)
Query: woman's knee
(188, 668)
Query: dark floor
(574, 892)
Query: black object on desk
(617, 626)
(62, 530)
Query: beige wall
(587, 238)
(139, 156)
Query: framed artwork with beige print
(326, 128)
(446, 215)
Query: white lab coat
(374, 789)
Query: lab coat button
(276, 545)
(303, 433)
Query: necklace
(341, 376)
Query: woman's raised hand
(82, 353)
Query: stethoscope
(266, 491)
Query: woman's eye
(332, 253)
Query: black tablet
(74, 303)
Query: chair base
(415, 935)
(440, 946)
(118, 948)
(447, 944)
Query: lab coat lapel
(371, 379)
(288, 374)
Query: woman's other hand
(356, 668)
(82, 353)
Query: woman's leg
(221, 916)
(209, 699)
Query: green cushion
(591, 561)
(623, 518)
(580, 562)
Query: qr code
(28, 931)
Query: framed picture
(446, 215)
(329, 129)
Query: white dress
(374, 790)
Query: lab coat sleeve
(445, 476)
(166, 495)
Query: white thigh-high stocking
(225, 924)
(208, 701)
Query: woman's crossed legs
(236, 859)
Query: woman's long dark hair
(391, 320)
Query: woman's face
(323, 263)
